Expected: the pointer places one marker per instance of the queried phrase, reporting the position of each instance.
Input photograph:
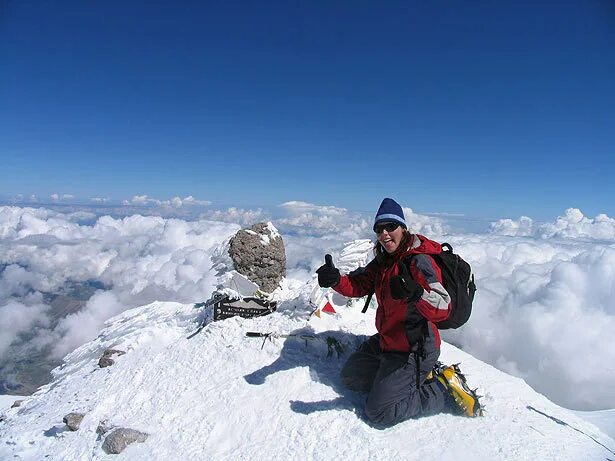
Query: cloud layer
(544, 308)
(140, 259)
(175, 202)
(544, 311)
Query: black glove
(328, 275)
(403, 285)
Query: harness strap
(417, 358)
(419, 353)
(367, 301)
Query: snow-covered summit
(222, 395)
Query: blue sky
(482, 108)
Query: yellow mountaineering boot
(465, 399)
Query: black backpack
(458, 280)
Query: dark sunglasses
(388, 226)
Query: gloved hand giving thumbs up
(328, 274)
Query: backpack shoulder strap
(369, 296)
(367, 301)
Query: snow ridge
(221, 395)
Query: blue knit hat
(390, 211)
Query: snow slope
(603, 419)
(6, 401)
(221, 395)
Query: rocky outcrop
(259, 254)
(119, 438)
(106, 359)
(73, 420)
(104, 427)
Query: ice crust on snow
(221, 395)
(355, 254)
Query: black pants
(389, 379)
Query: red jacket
(392, 316)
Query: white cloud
(139, 200)
(237, 215)
(58, 197)
(324, 220)
(298, 207)
(16, 281)
(190, 201)
(422, 224)
(175, 202)
(572, 225)
(544, 311)
(17, 318)
(544, 308)
(523, 227)
(141, 259)
(82, 326)
(100, 199)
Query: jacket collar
(419, 244)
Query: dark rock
(104, 427)
(120, 438)
(106, 360)
(17, 403)
(73, 420)
(259, 254)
